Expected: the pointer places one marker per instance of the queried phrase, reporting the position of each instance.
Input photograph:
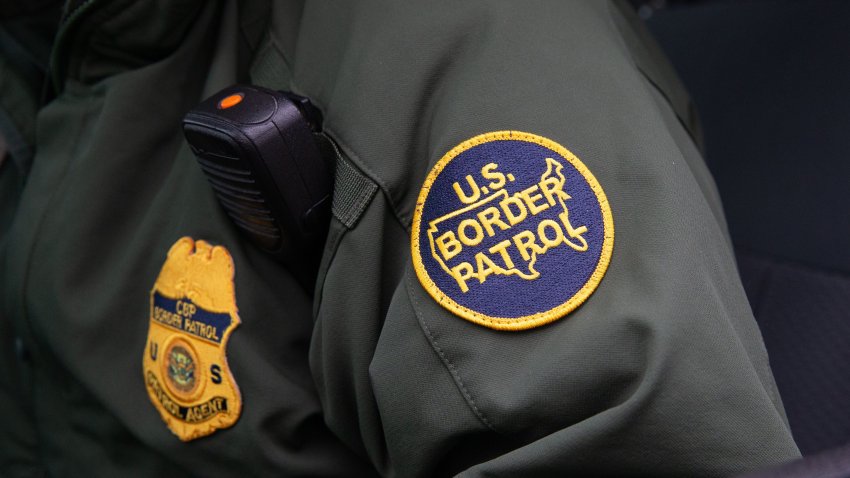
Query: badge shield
(192, 314)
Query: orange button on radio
(231, 100)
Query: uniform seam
(451, 367)
(630, 54)
(648, 86)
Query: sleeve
(661, 371)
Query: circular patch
(511, 231)
(182, 369)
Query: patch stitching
(539, 318)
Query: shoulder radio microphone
(264, 156)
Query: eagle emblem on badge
(192, 314)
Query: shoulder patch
(511, 231)
(193, 313)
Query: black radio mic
(263, 155)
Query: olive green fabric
(113, 186)
(662, 372)
(24, 44)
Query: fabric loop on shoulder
(353, 191)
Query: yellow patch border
(528, 321)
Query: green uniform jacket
(662, 372)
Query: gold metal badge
(193, 313)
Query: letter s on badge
(193, 313)
(511, 231)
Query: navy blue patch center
(511, 229)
